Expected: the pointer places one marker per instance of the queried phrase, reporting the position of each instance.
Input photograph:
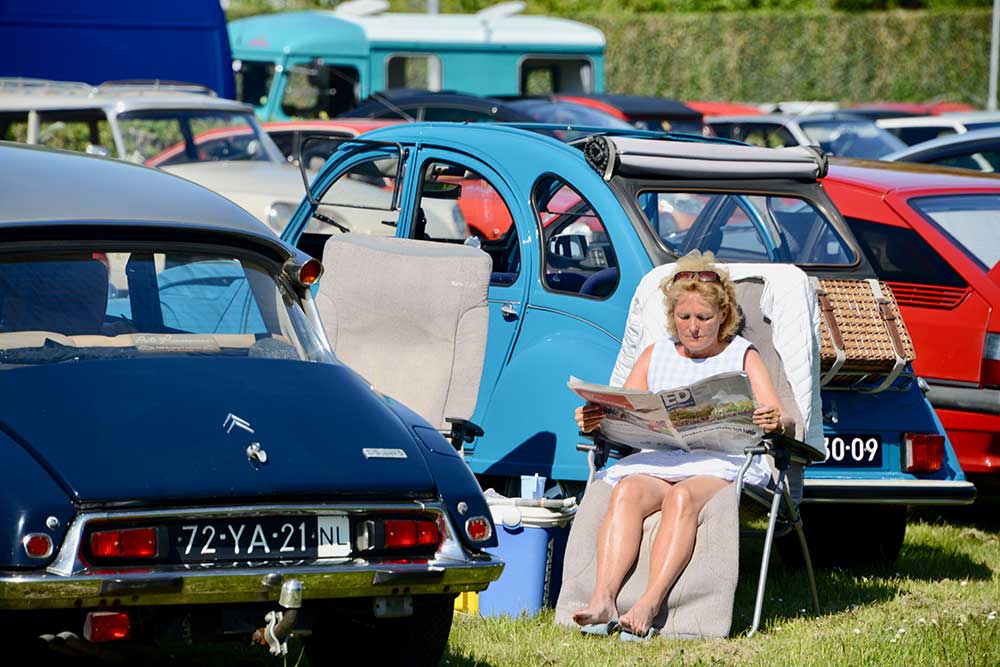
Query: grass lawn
(938, 605)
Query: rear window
(972, 222)
(744, 228)
(97, 304)
(899, 254)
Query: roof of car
(887, 176)
(787, 118)
(987, 137)
(324, 31)
(42, 185)
(444, 98)
(27, 94)
(949, 119)
(641, 105)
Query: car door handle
(508, 310)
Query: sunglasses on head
(703, 276)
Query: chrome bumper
(260, 583)
(69, 583)
(889, 491)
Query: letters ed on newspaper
(713, 413)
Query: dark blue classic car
(161, 479)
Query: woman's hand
(768, 418)
(589, 416)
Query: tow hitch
(281, 623)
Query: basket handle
(889, 322)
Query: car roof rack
(156, 85)
(634, 156)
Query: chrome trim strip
(556, 311)
(890, 492)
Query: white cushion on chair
(411, 317)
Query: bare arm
(770, 416)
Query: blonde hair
(721, 295)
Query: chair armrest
(463, 431)
(796, 449)
(603, 448)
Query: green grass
(939, 605)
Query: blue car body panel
(524, 404)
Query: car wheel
(848, 535)
(418, 640)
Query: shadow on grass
(983, 514)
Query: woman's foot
(598, 611)
(639, 618)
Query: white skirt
(676, 465)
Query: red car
(933, 235)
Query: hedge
(769, 55)
(765, 56)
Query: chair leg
(797, 522)
(766, 557)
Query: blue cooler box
(532, 542)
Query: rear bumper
(889, 492)
(194, 585)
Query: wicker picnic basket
(863, 334)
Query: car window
(852, 138)
(253, 81)
(118, 304)
(457, 203)
(316, 90)
(457, 115)
(84, 131)
(736, 227)
(917, 135)
(360, 200)
(900, 254)
(769, 135)
(413, 70)
(577, 254)
(161, 138)
(972, 222)
(985, 161)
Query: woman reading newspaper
(701, 341)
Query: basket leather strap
(836, 338)
(891, 327)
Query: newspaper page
(714, 413)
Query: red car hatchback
(933, 234)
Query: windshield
(744, 227)
(161, 138)
(568, 113)
(972, 222)
(98, 304)
(847, 138)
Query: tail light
(126, 543)
(419, 534)
(478, 529)
(107, 626)
(37, 545)
(923, 452)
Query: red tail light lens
(310, 272)
(400, 534)
(478, 529)
(127, 543)
(923, 452)
(37, 545)
(107, 626)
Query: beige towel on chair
(701, 602)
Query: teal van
(318, 64)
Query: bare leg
(672, 547)
(633, 499)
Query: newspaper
(713, 413)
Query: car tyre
(418, 640)
(848, 535)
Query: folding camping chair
(411, 317)
(782, 321)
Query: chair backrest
(411, 317)
(67, 296)
(781, 320)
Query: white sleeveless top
(668, 369)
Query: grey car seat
(411, 317)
